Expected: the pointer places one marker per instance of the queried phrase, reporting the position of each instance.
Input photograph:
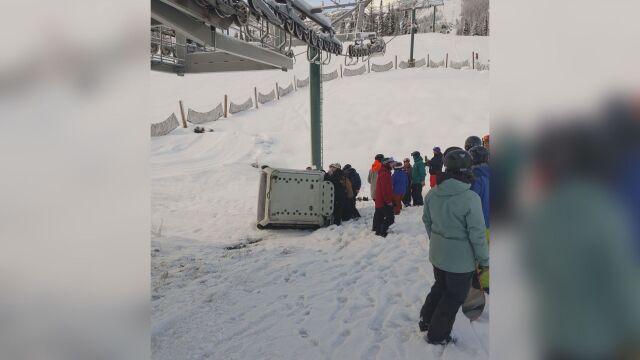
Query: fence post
(255, 93)
(225, 106)
(295, 83)
(428, 60)
(473, 60)
(446, 64)
(340, 71)
(277, 91)
(368, 66)
(184, 119)
(396, 62)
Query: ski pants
(354, 210)
(416, 194)
(338, 208)
(443, 302)
(406, 199)
(382, 219)
(347, 209)
(397, 203)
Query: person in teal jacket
(455, 225)
(418, 173)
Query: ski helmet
(415, 153)
(479, 154)
(458, 161)
(379, 157)
(450, 149)
(471, 142)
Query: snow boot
(423, 326)
(448, 340)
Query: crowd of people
(346, 184)
(455, 215)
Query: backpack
(347, 187)
(354, 177)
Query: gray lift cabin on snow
(294, 199)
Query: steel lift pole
(412, 61)
(315, 108)
(435, 8)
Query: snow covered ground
(334, 293)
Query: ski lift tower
(417, 5)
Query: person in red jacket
(383, 216)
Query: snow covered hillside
(203, 91)
(334, 293)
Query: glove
(482, 269)
(483, 275)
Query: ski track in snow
(334, 293)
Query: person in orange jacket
(373, 174)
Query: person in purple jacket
(400, 181)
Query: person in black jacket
(356, 184)
(435, 166)
(335, 175)
(406, 166)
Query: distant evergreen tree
(391, 25)
(475, 15)
(406, 22)
(477, 28)
(485, 30)
(381, 24)
(371, 23)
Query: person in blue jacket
(481, 174)
(356, 184)
(480, 185)
(400, 180)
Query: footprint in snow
(371, 352)
(341, 338)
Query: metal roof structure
(191, 40)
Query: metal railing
(164, 46)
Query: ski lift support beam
(339, 6)
(425, 5)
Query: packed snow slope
(334, 293)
